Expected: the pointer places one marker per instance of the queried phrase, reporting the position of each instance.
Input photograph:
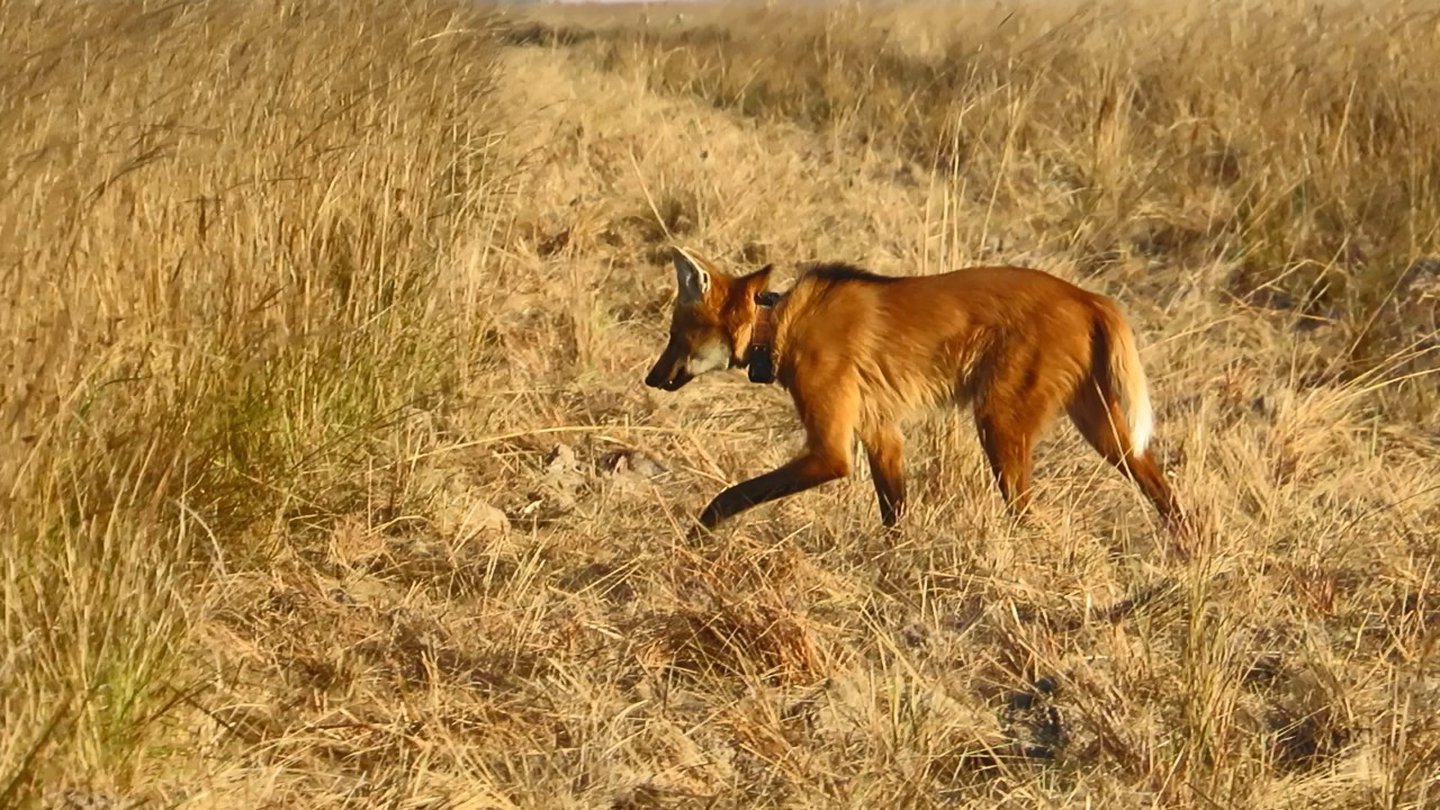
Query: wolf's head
(711, 324)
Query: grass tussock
(329, 480)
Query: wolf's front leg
(829, 407)
(805, 472)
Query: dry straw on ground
(328, 478)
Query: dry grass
(329, 479)
(1294, 145)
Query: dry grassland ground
(327, 477)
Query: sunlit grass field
(328, 477)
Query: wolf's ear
(756, 282)
(691, 278)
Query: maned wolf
(860, 352)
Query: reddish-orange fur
(860, 354)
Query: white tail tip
(1142, 424)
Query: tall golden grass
(328, 478)
(1296, 142)
(235, 239)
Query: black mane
(839, 271)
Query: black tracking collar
(760, 365)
